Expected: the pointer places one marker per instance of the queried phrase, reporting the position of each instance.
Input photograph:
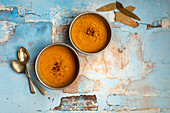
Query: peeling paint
(132, 103)
(144, 90)
(111, 17)
(78, 103)
(102, 64)
(83, 84)
(121, 62)
(60, 33)
(127, 110)
(63, 18)
(7, 30)
(3, 8)
(165, 23)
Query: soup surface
(89, 33)
(57, 66)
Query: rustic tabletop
(131, 75)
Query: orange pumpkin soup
(89, 33)
(57, 66)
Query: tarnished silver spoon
(24, 56)
(20, 67)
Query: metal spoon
(20, 67)
(24, 56)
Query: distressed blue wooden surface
(135, 80)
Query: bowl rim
(71, 25)
(39, 56)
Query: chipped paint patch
(7, 30)
(111, 17)
(83, 84)
(165, 23)
(118, 61)
(53, 33)
(78, 103)
(3, 8)
(127, 110)
(141, 90)
(35, 20)
(63, 18)
(60, 33)
(132, 103)
(102, 64)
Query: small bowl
(39, 56)
(109, 31)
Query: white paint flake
(6, 29)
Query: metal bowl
(108, 30)
(39, 56)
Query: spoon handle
(40, 88)
(32, 89)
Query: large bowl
(39, 56)
(109, 31)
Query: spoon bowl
(18, 66)
(23, 55)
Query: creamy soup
(89, 33)
(57, 66)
